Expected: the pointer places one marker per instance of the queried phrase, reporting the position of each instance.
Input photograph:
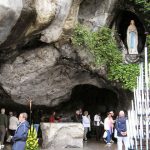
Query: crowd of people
(106, 130)
(15, 128)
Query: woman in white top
(13, 123)
(108, 126)
(86, 124)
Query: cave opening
(93, 99)
(122, 23)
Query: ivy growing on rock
(103, 47)
(143, 6)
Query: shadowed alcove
(122, 23)
(93, 99)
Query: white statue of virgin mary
(132, 38)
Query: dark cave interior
(91, 98)
(85, 96)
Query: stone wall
(62, 135)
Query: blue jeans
(108, 138)
(36, 126)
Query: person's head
(80, 110)
(132, 22)
(109, 114)
(23, 117)
(77, 112)
(99, 113)
(10, 113)
(86, 113)
(112, 113)
(3, 111)
(121, 113)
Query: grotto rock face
(37, 59)
(62, 135)
(97, 13)
(38, 74)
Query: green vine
(104, 48)
(143, 6)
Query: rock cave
(46, 67)
(39, 61)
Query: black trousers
(12, 132)
(98, 132)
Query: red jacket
(52, 119)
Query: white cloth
(120, 144)
(97, 120)
(13, 123)
(86, 121)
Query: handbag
(105, 134)
(9, 138)
(115, 134)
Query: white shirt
(13, 123)
(97, 120)
(86, 121)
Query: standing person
(13, 123)
(52, 118)
(21, 133)
(80, 114)
(76, 117)
(121, 128)
(108, 126)
(36, 120)
(86, 124)
(3, 126)
(113, 120)
(97, 123)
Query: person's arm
(117, 127)
(102, 122)
(6, 122)
(105, 124)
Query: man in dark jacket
(3, 126)
(121, 128)
(21, 133)
(76, 117)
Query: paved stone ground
(90, 145)
(93, 145)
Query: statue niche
(132, 39)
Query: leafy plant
(124, 73)
(32, 141)
(143, 6)
(104, 48)
(100, 44)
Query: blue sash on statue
(132, 39)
